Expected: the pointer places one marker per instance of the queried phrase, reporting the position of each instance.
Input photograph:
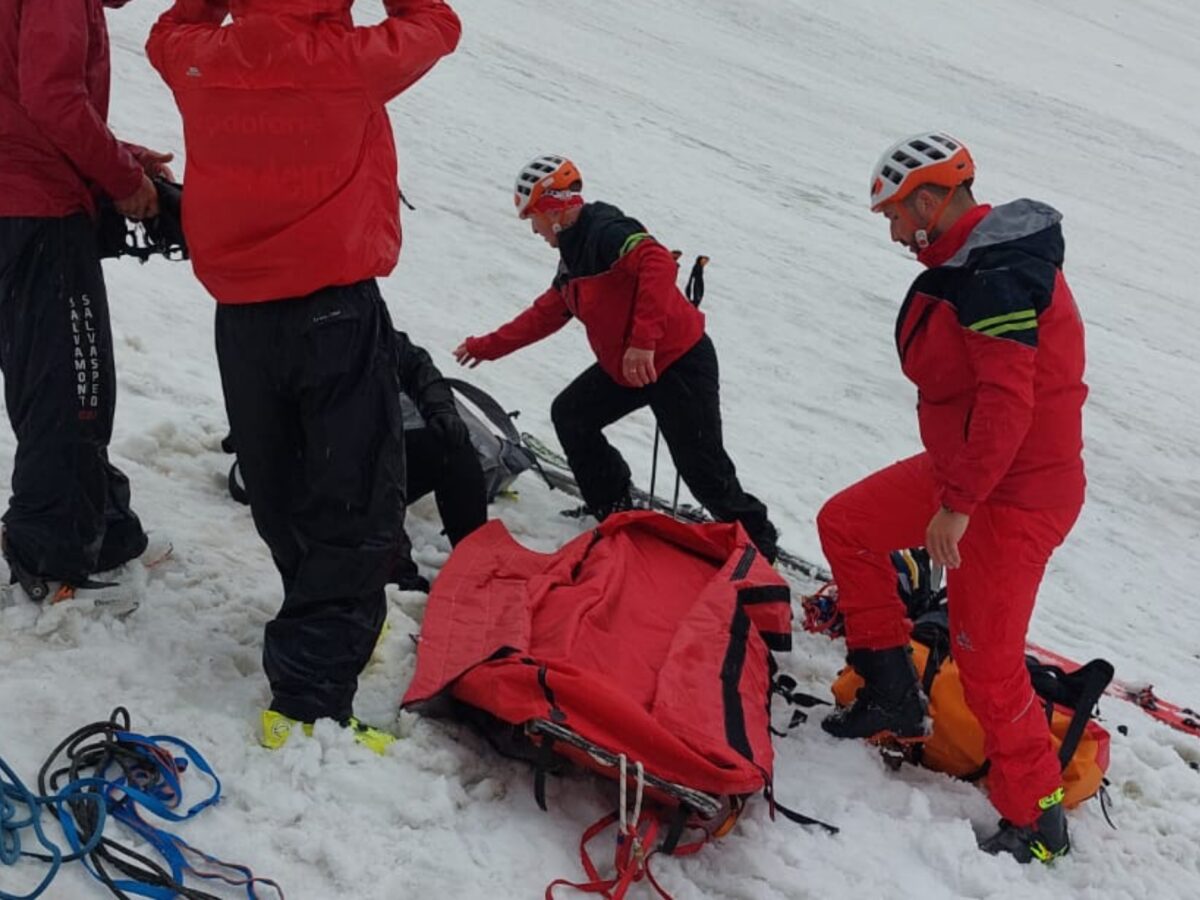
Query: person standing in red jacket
(69, 515)
(992, 338)
(291, 213)
(650, 347)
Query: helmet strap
(923, 236)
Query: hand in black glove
(449, 429)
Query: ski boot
(1045, 840)
(277, 728)
(38, 588)
(888, 704)
(602, 511)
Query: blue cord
(13, 794)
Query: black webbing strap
(1104, 801)
(556, 714)
(785, 687)
(541, 765)
(792, 816)
(679, 820)
(545, 753)
(1092, 679)
(933, 664)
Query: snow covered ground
(744, 129)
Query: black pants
(312, 396)
(456, 480)
(69, 514)
(686, 403)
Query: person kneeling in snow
(650, 346)
(438, 454)
(288, 145)
(993, 340)
(439, 457)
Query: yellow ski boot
(277, 728)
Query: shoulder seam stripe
(633, 240)
(1012, 326)
(1018, 316)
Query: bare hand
(945, 530)
(465, 357)
(155, 165)
(638, 367)
(141, 204)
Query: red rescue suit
(993, 340)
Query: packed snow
(745, 130)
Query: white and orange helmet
(931, 157)
(547, 183)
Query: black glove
(449, 429)
(165, 231)
(161, 236)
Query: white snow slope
(744, 129)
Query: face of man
(910, 215)
(903, 229)
(543, 225)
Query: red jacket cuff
(957, 502)
(640, 342)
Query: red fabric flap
(640, 636)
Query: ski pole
(654, 458)
(694, 291)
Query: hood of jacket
(1026, 225)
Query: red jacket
(291, 168)
(991, 337)
(621, 284)
(55, 147)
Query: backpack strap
(1089, 683)
(933, 630)
(791, 815)
(541, 766)
(785, 686)
(488, 405)
(675, 828)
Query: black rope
(1105, 800)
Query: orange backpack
(955, 743)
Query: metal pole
(654, 459)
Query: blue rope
(161, 793)
(14, 794)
